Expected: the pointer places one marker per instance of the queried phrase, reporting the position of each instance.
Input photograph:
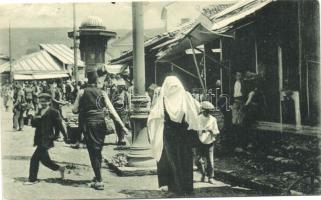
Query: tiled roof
(237, 12)
(221, 22)
(213, 9)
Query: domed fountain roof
(92, 22)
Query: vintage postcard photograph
(160, 99)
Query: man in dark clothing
(28, 92)
(19, 107)
(57, 102)
(120, 102)
(44, 122)
(30, 108)
(69, 90)
(92, 104)
(35, 93)
(45, 87)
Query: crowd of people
(23, 95)
(39, 104)
(24, 98)
(180, 125)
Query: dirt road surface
(17, 149)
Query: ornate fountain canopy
(93, 22)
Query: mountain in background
(27, 40)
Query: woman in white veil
(171, 122)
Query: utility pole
(140, 155)
(138, 46)
(75, 44)
(10, 54)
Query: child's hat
(206, 105)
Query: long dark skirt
(175, 168)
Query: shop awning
(148, 44)
(39, 76)
(115, 69)
(200, 34)
(205, 30)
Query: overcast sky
(115, 16)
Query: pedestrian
(30, 112)
(78, 86)
(92, 104)
(62, 87)
(57, 102)
(172, 124)
(113, 92)
(237, 99)
(69, 90)
(28, 92)
(19, 108)
(207, 134)
(45, 121)
(6, 94)
(35, 92)
(45, 87)
(120, 103)
(29, 95)
(255, 104)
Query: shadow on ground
(13, 157)
(143, 194)
(68, 182)
(65, 182)
(20, 179)
(71, 165)
(223, 191)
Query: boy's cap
(44, 97)
(206, 105)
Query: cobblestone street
(16, 153)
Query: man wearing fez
(92, 104)
(45, 121)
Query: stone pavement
(16, 148)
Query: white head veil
(178, 103)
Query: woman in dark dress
(172, 123)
